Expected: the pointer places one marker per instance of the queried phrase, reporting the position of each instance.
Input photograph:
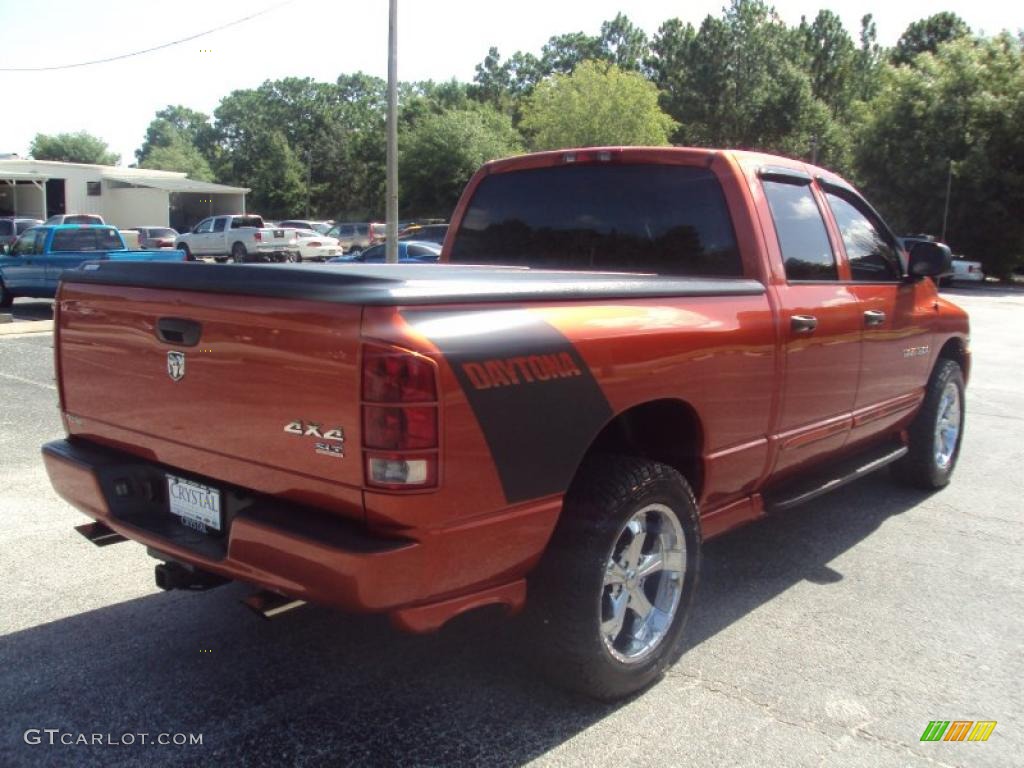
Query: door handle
(874, 317)
(177, 330)
(803, 323)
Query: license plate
(278, 233)
(197, 505)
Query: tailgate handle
(177, 330)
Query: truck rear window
(247, 221)
(664, 219)
(86, 239)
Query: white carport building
(124, 197)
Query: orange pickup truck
(626, 353)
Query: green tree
(181, 127)
(442, 151)
(927, 35)
(831, 60)
(743, 81)
(178, 155)
(275, 175)
(598, 104)
(963, 106)
(81, 147)
(623, 43)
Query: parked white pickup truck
(243, 237)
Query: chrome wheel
(947, 425)
(643, 581)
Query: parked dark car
(357, 236)
(11, 227)
(409, 252)
(151, 238)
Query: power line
(234, 23)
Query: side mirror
(930, 260)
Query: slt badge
(176, 365)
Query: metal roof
(169, 184)
(22, 176)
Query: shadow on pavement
(318, 688)
(27, 309)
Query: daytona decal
(536, 401)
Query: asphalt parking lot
(829, 636)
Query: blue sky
(316, 38)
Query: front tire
(6, 297)
(611, 597)
(937, 431)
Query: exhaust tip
(270, 604)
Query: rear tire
(238, 253)
(936, 432)
(6, 297)
(610, 599)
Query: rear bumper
(297, 551)
(308, 553)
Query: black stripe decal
(536, 401)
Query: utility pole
(309, 177)
(391, 248)
(949, 188)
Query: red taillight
(400, 441)
(400, 429)
(257, 236)
(396, 376)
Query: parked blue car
(409, 252)
(32, 266)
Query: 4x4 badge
(176, 365)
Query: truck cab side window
(24, 245)
(872, 258)
(205, 226)
(806, 251)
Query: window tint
(422, 252)
(247, 221)
(806, 251)
(871, 256)
(665, 219)
(218, 225)
(373, 254)
(24, 244)
(83, 218)
(85, 240)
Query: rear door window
(806, 250)
(663, 219)
(218, 225)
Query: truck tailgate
(265, 391)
